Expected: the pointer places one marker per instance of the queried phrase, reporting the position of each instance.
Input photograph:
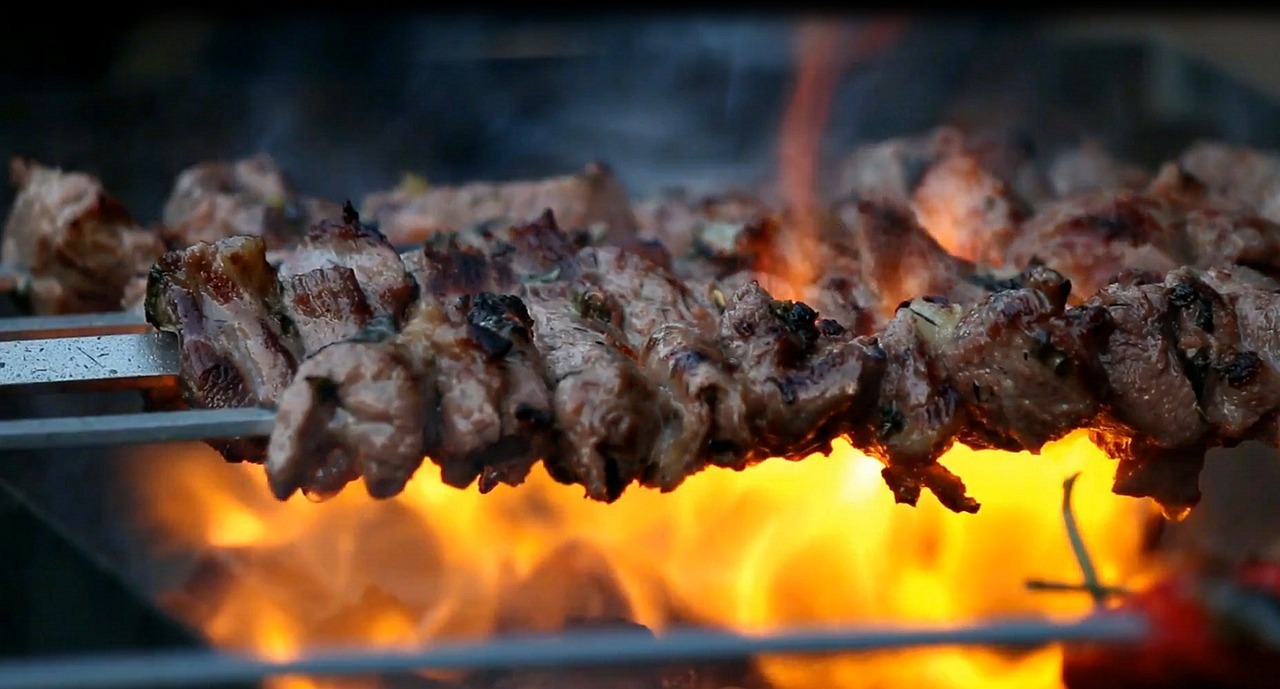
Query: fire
(823, 50)
(783, 543)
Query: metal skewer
(123, 429)
(102, 361)
(577, 649)
(37, 327)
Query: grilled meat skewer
(527, 345)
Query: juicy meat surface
(334, 423)
(81, 248)
(1022, 364)
(223, 302)
(1092, 238)
(804, 379)
(339, 278)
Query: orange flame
(783, 543)
(824, 49)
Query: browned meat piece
(354, 409)
(609, 414)
(590, 200)
(842, 297)
(633, 294)
(339, 278)
(621, 299)
(1022, 363)
(969, 192)
(81, 248)
(899, 261)
(1218, 238)
(1090, 168)
(494, 407)
(1148, 392)
(918, 413)
(805, 381)
(708, 225)
(223, 302)
(1092, 238)
(894, 168)
(968, 210)
(1257, 359)
(249, 196)
(711, 422)
(1233, 390)
(461, 382)
(1235, 176)
(1185, 372)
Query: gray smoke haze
(347, 108)
(347, 105)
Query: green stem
(1091, 583)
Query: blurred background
(350, 102)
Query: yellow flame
(783, 543)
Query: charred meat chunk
(1092, 238)
(803, 384)
(918, 413)
(607, 412)
(1022, 364)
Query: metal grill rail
(578, 649)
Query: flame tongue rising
(824, 49)
(783, 543)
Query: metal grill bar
(121, 429)
(141, 360)
(35, 327)
(192, 668)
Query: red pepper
(1192, 643)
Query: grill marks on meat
(82, 249)
(243, 327)
(608, 413)
(340, 277)
(224, 303)
(604, 365)
(494, 410)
